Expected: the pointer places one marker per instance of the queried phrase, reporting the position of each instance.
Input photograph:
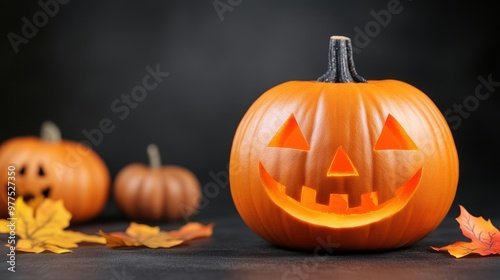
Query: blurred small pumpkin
(156, 192)
(58, 169)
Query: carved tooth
(308, 195)
(369, 201)
(338, 203)
(374, 198)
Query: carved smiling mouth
(45, 193)
(369, 209)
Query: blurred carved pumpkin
(57, 169)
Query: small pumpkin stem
(154, 156)
(340, 63)
(50, 132)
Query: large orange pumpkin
(58, 169)
(364, 165)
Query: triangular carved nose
(341, 165)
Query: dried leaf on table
(42, 228)
(485, 238)
(144, 235)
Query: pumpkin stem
(154, 156)
(50, 132)
(340, 63)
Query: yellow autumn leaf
(144, 235)
(141, 235)
(151, 237)
(50, 219)
(141, 231)
(4, 226)
(42, 229)
(113, 240)
(26, 245)
(117, 239)
(78, 237)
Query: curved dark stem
(340, 63)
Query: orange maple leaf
(42, 228)
(144, 235)
(484, 236)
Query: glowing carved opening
(370, 208)
(394, 137)
(341, 165)
(289, 136)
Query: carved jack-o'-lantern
(367, 165)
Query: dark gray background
(91, 52)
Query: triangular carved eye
(289, 136)
(394, 137)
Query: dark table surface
(236, 252)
